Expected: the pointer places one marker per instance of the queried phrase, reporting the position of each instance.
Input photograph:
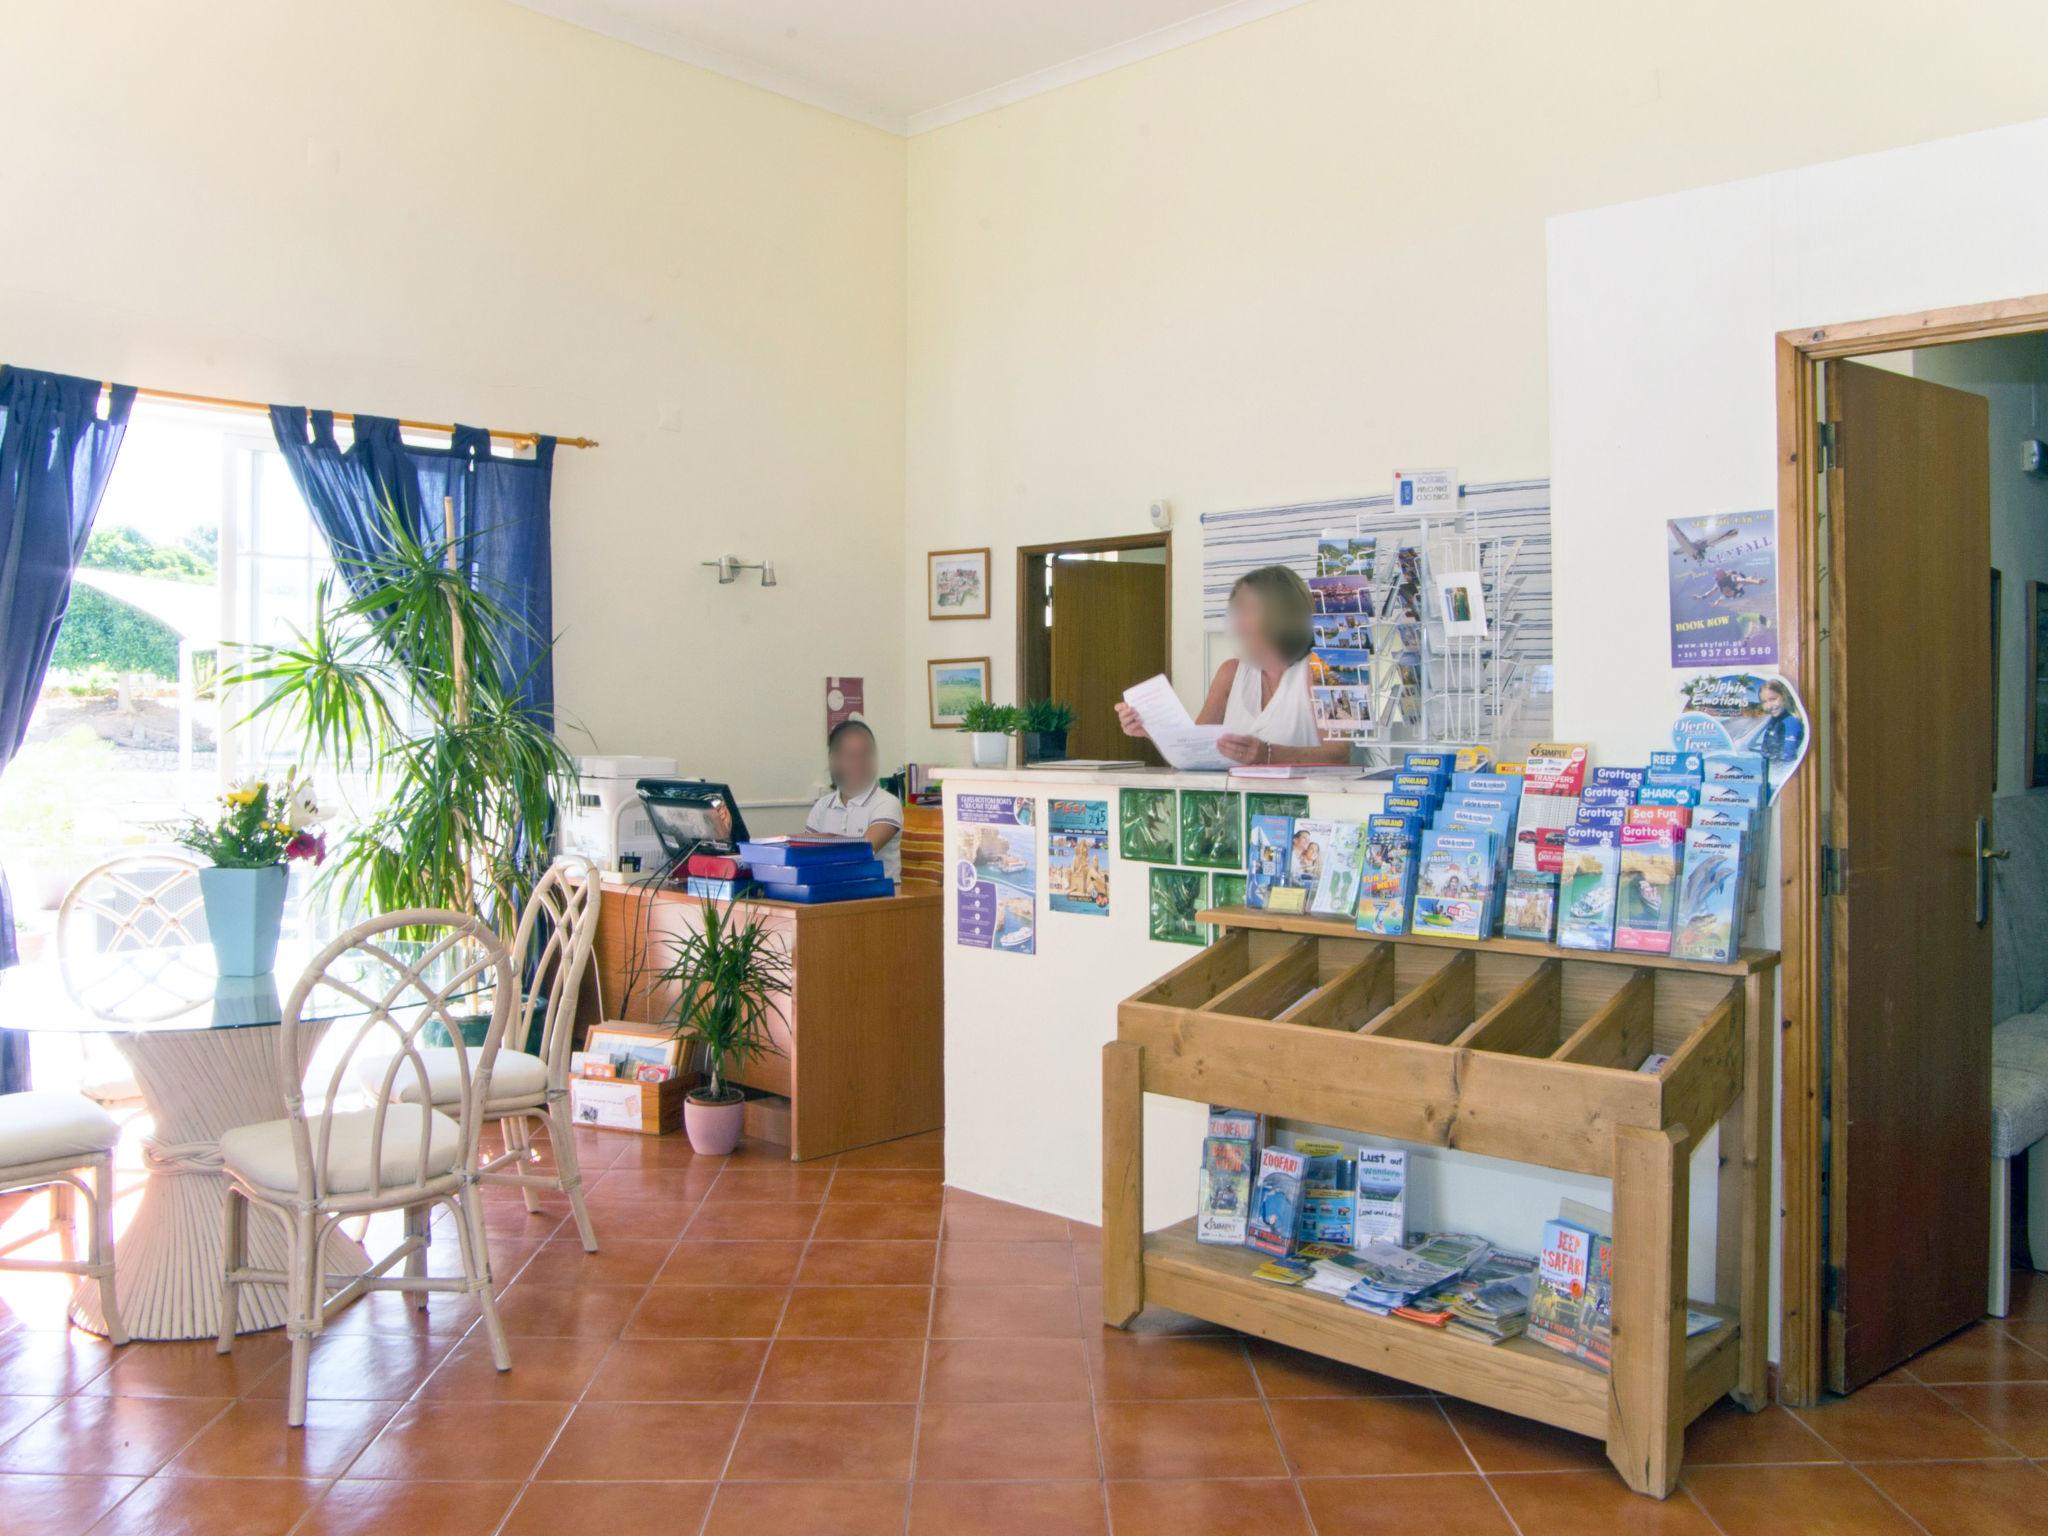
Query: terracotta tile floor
(845, 1349)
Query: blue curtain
(502, 514)
(56, 454)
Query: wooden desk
(862, 1039)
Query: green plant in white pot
(261, 827)
(732, 973)
(989, 728)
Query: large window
(201, 543)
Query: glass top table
(176, 988)
(204, 1051)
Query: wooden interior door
(1108, 632)
(1908, 754)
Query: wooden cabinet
(1512, 1049)
(861, 1039)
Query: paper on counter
(1184, 744)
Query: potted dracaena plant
(405, 672)
(731, 974)
(989, 728)
(1043, 724)
(260, 828)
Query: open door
(1108, 632)
(1908, 755)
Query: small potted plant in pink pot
(732, 974)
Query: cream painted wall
(463, 210)
(1274, 265)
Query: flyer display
(1077, 868)
(1758, 712)
(1340, 665)
(995, 873)
(1724, 589)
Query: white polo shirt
(834, 817)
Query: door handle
(1985, 854)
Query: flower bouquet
(260, 828)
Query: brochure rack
(1505, 1047)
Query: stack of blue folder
(839, 870)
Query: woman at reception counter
(1261, 698)
(857, 805)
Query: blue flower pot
(244, 913)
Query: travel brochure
(995, 873)
(1077, 862)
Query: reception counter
(858, 1046)
(1026, 1020)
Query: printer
(605, 821)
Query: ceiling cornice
(666, 41)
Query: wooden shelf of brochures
(1503, 1047)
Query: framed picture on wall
(1997, 631)
(953, 684)
(956, 584)
(2037, 684)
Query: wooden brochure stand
(1504, 1047)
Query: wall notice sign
(612, 1106)
(1724, 589)
(1426, 490)
(846, 698)
(995, 873)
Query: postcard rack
(1508, 1048)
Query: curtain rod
(526, 439)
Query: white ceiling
(908, 65)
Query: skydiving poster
(1724, 589)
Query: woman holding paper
(1262, 699)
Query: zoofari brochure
(1276, 1201)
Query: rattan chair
(316, 1167)
(149, 899)
(530, 1084)
(48, 1140)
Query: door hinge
(1834, 869)
(1830, 455)
(1831, 1287)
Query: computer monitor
(685, 814)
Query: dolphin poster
(1724, 589)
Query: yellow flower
(241, 796)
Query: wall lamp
(729, 567)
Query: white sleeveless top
(1284, 721)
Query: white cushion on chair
(42, 1127)
(262, 1154)
(516, 1077)
(2019, 1110)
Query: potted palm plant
(731, 973)
(405, 673)
(1044, 725)
(989, 728)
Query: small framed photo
(956, 584)
(953, 684)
